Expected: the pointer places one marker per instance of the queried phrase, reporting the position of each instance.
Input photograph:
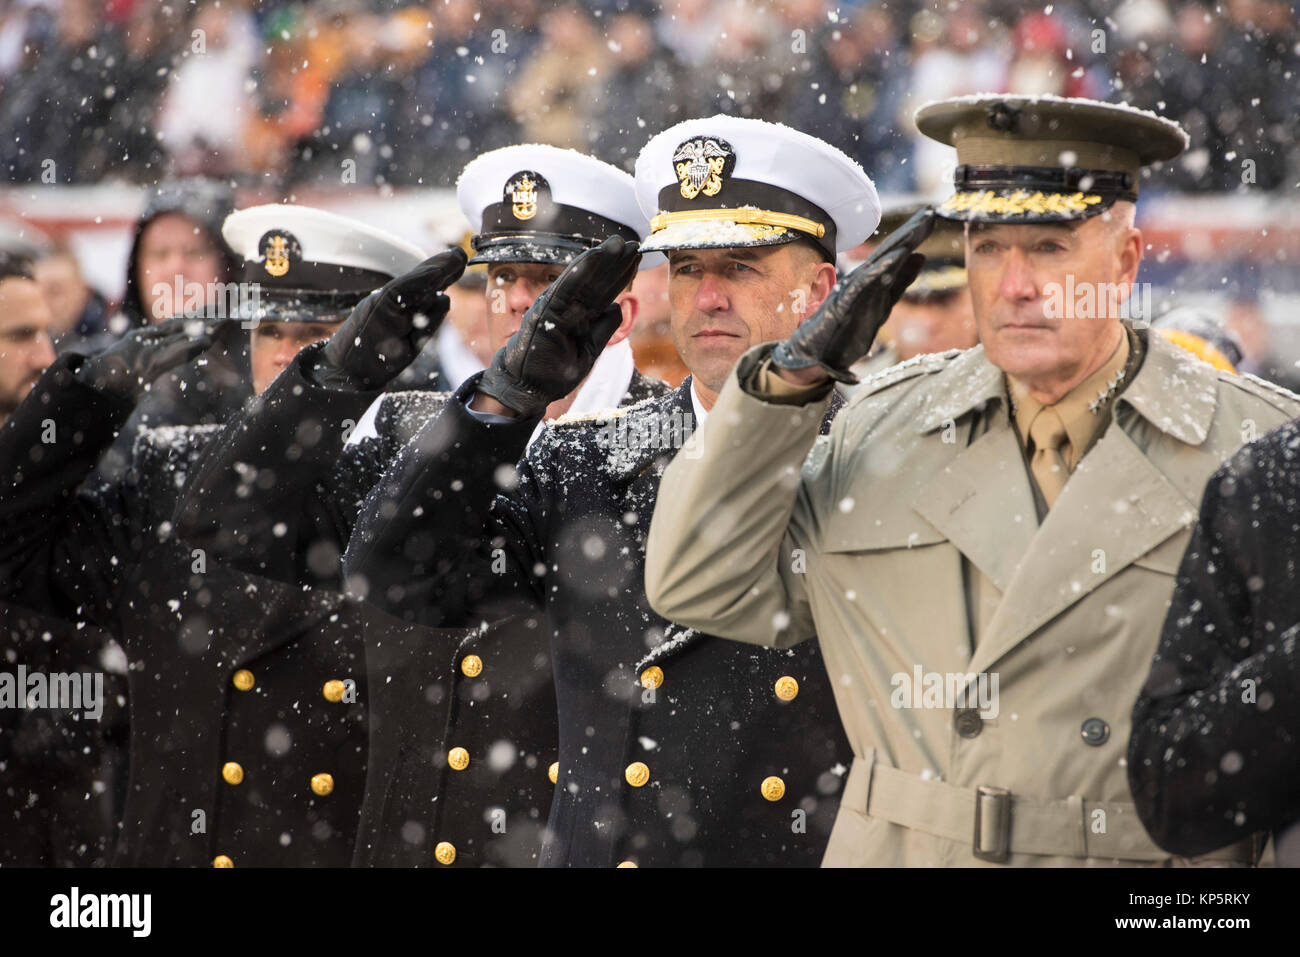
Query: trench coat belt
(1065, 827)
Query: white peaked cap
(543, 204)
(323, 238)
(789, 184)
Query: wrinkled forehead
(744, 254)
(1020, 232)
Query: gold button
(232, 772)
(445, 852)
(322, 784)
(773, 788)
(458, 758)
(637, 774)
(333, 690)
(786, 688)
(652, 677)
(627, 863)
(471, 666)
(244, 680)
(222, 861)
(553, 772)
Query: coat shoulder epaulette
(924, 364)
(571, 419)
(1284, 400)
(402, 414)
(172, 445)
(161, 460)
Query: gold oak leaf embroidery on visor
(1019, 203)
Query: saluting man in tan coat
(986, 542)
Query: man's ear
(630, 305)
(1130, 255)
(823, 281)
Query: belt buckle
(999, 801)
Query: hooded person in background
(179, 265)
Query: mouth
(714, 334)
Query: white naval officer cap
(541, 204)
(728, 181)
(312, 265)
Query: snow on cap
(319, 261)
(728, 181)
(541, 204)
(1040, 159)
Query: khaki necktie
(1047, 432)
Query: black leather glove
(841, 332)
(126, 367)
(563, 332)
(383, 335)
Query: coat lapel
(985, 485)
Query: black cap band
(1109, 184)
(307, 278)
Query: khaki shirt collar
(1173, 390)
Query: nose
(285, 351)
(710, 296)
(42, 354)
(523, 293)
(1017, 282)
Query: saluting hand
(841, 332)
(126, 367)
(384, 333)
(563, 332)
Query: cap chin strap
(741, 215)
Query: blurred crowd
(338, 92)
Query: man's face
(64, 289)
(725, 301)
(25, 346)
(1031, 325)
(272, 346)
(172, 245)
(511, 289)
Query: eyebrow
(1069, 226)
(734, 252)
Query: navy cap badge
(278, 248)
(701, 164)
(521, 191)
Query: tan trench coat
(921, 488)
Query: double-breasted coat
(462, 721)
(925, 573)
(247, 695)
(675, 748)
